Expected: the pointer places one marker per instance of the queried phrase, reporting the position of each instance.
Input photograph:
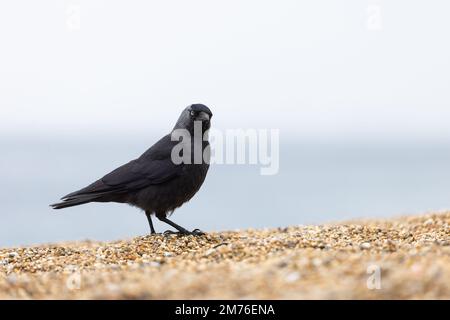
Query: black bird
(154, 182)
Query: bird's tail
(74, 201)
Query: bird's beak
(203, 116)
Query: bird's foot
(169, 232)
(195, 232)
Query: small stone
(365, 245)
(317, 262)
(292, 277)
(11, 279)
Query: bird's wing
(153, 167)
(141, 173)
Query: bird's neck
(197, 132)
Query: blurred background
(358, 89)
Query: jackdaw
(155, 182)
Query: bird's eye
(192, 113)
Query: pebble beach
(400, 258)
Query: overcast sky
(353, 67)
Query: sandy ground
(404, 258)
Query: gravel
(402, 258)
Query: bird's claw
(169, 232)
(195, 232)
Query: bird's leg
(179, 228)
(173, 224)
(150, 222)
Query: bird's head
(193, 113)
